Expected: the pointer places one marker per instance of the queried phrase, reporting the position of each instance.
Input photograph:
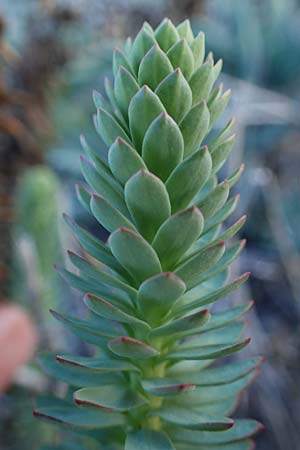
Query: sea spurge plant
(153, 382)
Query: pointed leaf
(175, 94)
(157, 294)
(163, 146)
(201, 82)
(181, 56)
(148, 440)
(183, 327)
(162, 387)
(220, 153)
(154, 67)
(208, 352)
(83, 196)
(112, 398)
(96, 365)
(214, 201)
(187, 224)
(148, 202)
(142, 43)
(134, 254)
(185, 31)
(127, 347)
(124, 160)
(108, 128)
(108, 216)
(188, 177)
(194, 127)
(120, 59)
(166, 34)
(144, 107)
(198, 49)
(125, 88)
(218, 106)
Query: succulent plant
(151, 288)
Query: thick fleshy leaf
(108, 128)
(127, 347)
(222, 135)
(111, 398)
(108, 311)
(175, 94)
(158, 294)
(161, 387)
(96, 365)
(154, 67)
(182, 327)
(120, 59)
(188, 177)
(220, 153)
(96, 273)
(191, 270)
(79, 418)
(222, 214)
(234, 178)
(142, 43)
(185, 31)
(134, 254)
(227, 316)
(194, 127)
(181, 56)
(214, 200)
(148, 202)
(108, 216)
(242, 429)
(124, 160)
(218, 106)
(212, 296)
(198, 49)
(201, 82)
(144, 107)
(186, 418)
(148, 440)
(102, 186)
(75, 375)
(226, 335)
(207, 352)
(84, 196)
(187, 224)
(125, 88)
(101, 102)
(166, 34)
(163, 146)
(243, 445)
(234, 229)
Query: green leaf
(79, 418)
(220, 153)
(134, 254)
(184, 326)
(234, 229)
(242, 429)
(161, 387)
(212, 296)
(194, 127)
(221, 136)
(111, 398)
(218, 107)
(188, 177)
(142, 43)
(214, 201)
(175, 94)
(244, 445)
(201, 82)
(222, 214)
(225, 335)
(187, 418)
(208, 351)
(108, 216)
(148, 202)
(165, 286)
(148, 440)
(120, 59)
(234, 178)
(223, 318)
(198, 49)
(90, 331)
(222, 375)
(108, 311)
(163, 146)
(96, 365)
(102, 186)
(190, 271)
(108, 128)
(187, 224)
(99, 275)
(125, 88)
(185, 31)
(154, 67)
(181, 56)
(144, 107)
(128, 347)
(100, 102)
(124, 160)
(166, 34)
(75, 375)
(83, 196)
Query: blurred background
(52, 54)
